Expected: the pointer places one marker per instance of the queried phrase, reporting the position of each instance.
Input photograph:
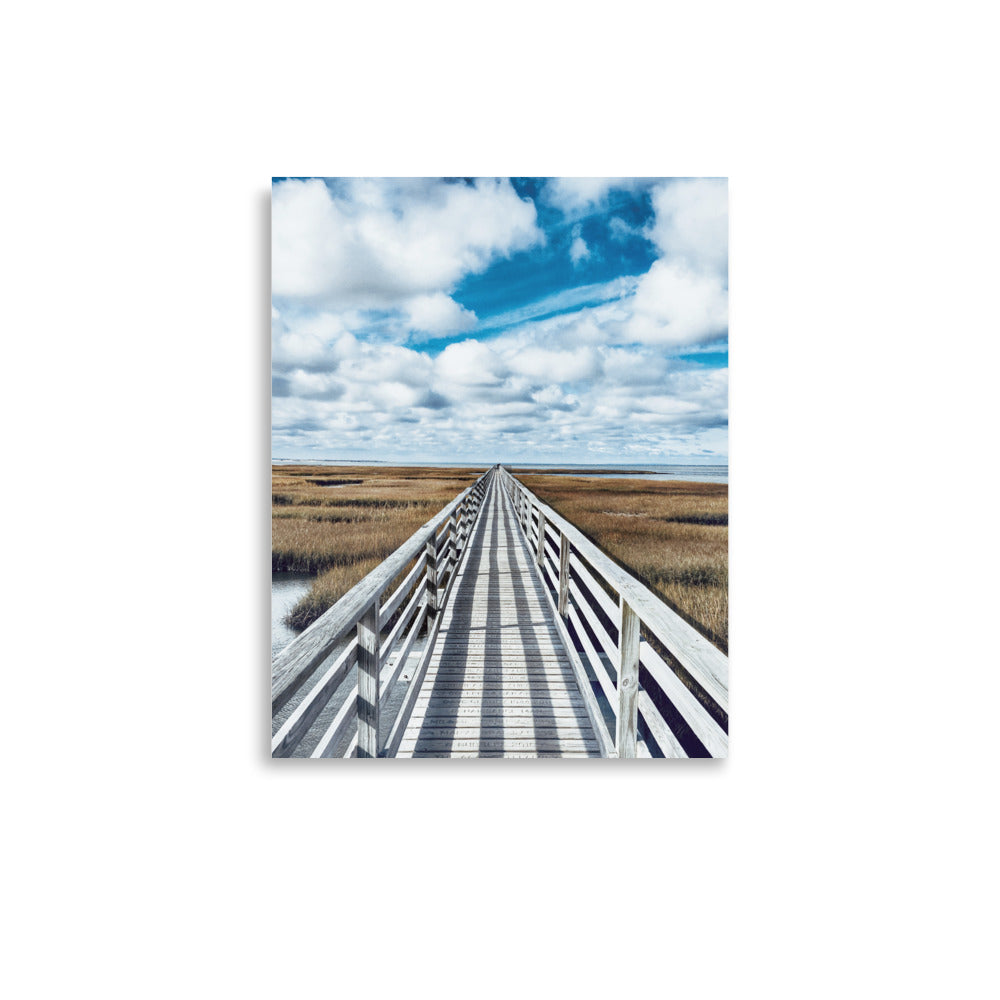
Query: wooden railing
(367, 619)
(643, 671)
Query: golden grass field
(673, 536)
(342, 532)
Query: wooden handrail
(364, 610)
(579, 599)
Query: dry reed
(341, 533)
(672, 536)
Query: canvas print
(500, 470)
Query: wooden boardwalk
(499, 682)
(510, 635)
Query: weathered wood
(300, 657)
(468, 699)
(702, 723)
(498, 732)
(297, 662)
(521, 687)
(287, 738)
(390, 605)
(368, 682)
(346, 715)
(508, 754)
(436, 705)
(596, 663)
(626, 729)
(401, 724)
(706, 664)
(497, 637)
(410, 698)
(388, 643)
(604, 640)
(661, 731)
(497, 744)
(593, 588)
(563, 573)
(286, 683)
(430, 554)
(442, 543)
(499, 664)
(583, 684)
(400, 661)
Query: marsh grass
(343, 537)
(672, 536)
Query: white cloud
(578, 250)
(558, 366)
(680, 412)
(620, 230)
(378, 363)
(314, 385)
(304, 343)
(691, 223)
(577, 195)
(377, 243)
(470, 363)
(316, 341)
(632, 367)
(567, 299)
(553, 398)
(674, 305)
(683, 298)
(596, 383)
(439, 314)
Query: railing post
(540, 552)
(463, 525)
(628, 682)
(432, 573)
(452, 547)
(563, 573)
(368, 681)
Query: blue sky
(578, 320)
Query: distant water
(286, 589)
(662, 473)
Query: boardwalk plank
(499, 681)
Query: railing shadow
(544, 716)
(454, 648)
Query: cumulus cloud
(471, 363)
(578, 250)
(675, 305)
(316, 341)
(683, 299)
(620, 230)
(587, 371)
(691, 224)
(553, 398)
(438, 314)
(378, 243)
(561, 366)
(578, 195)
